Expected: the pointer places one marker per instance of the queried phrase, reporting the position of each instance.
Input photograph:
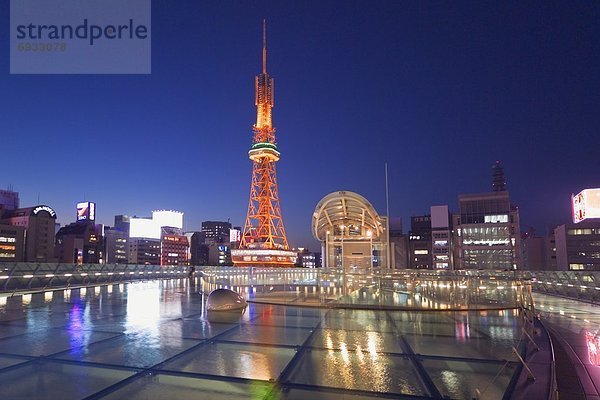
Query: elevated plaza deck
(153, 339)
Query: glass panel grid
(158, 337)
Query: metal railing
(578, 285)
(40, 276)
(394, 289)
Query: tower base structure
(263, 258)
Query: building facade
(174, 247)
(144, 251)
(216, 231)
(487, 232)
(116, 244)
(578, 246)
(441, 238)
(39, 223)
(80, 243)
(12, 243)
(419, 242)
(9, 200)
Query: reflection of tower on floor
(264, 242)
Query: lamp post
(326, 252)
(342, 227)
(370, 236)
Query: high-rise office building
(486, 230)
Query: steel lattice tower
(264, 241)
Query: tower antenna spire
(264, 46)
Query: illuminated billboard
(143, 228)
(173, 219)
(86, 211)
(235, 235)
(586, 204)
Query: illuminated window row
(584, 231)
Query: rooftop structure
(351, 233)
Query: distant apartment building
(419, 242)
(487, 233)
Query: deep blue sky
(439, 90)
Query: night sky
(439, 90)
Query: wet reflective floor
(154, 340)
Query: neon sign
(50, 211)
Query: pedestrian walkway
(574, 327)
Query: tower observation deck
(264, 242)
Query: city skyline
(440, 99)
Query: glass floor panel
(194, 328)
(52, 380)
(162, 386)
(357, 340)
(140, 351)
(269, 335)
(358, 370)
(236, 360)
(47, 342)
(8, 361)
(462, 380)
(477, 348)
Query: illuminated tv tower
(263, 241)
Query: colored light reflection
(593, 346)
